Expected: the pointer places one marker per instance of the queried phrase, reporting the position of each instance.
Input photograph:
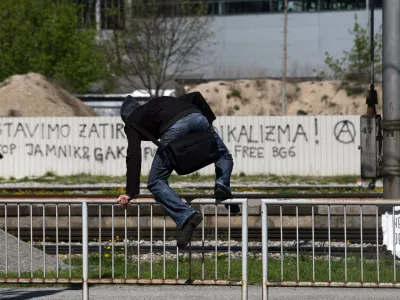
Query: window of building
(245, 7)
(113, 11)
(112, 14)
(87, 10)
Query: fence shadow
(25, 294)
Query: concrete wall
(298, 145)
(251, 44)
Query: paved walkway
(115, 292)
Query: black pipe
(372, 98)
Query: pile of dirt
(33, 95)
(264, 97)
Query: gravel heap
(24, 256)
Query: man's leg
(223, 172)
(184, 216)
(157, 183)
(224, 165)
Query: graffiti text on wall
(51, 140)
(254, 141)
(50, 131)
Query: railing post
(264, 232)
(85, 250)
(245, 231)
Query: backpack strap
(147, 135)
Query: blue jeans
(161, 168)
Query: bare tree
(161, 41)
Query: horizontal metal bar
(166, 281)
(114, 201)
(198, 201)
(123, 281)
(333, 284)
(330, 202)
(64, 200)
(41, 280)
(201, 282)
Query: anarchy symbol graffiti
(345, 132)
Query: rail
(326, 275)
(24, 263)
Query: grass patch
(50, 174)
(352, 88)
(242, 178)
(254, 269)
(236, 93)
(195, 177)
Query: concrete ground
(119, 292)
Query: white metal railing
(367, 210)
(68, 271)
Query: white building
(249, 33)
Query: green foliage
(354, 65)
(236, 93)
(352, 89)
(50, 174)
(43, 36)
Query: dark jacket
(155, 117)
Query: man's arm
(197, 99)
(133, 161)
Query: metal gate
(100, 256)
(348, 267)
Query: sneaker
(187, 230)
(223, 193)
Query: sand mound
(331, 98)
(264, 97)
(33, 95)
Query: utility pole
(284, 71)
(372, 98)
(367, 10)
(372, 43)
(98, 17)
(391, 99)
(128, 13)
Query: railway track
(186, 185)
(111, 188)
(30, 194)
(254, 234)
(368, 251)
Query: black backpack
(188, 153)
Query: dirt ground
(264, 97)
(33, 95)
